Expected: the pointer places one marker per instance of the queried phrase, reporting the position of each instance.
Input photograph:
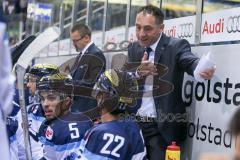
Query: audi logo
(185, 30)
(110, 46)
(233, 24)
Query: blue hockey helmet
(117, 87)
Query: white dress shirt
(148, 106)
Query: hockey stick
(17, 50)
(39, 43)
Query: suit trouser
(154, 142)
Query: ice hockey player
(114, 138)
(35, 111)
(61, 132)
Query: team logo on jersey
(34, 110)
(49, 133)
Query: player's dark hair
(111, 104)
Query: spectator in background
(8, 7)
(12, 41)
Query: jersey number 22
(110, 138)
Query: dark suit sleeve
(93, 65)
(185, 58)
(97, 66)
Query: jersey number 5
(74, 130)
(110, 138)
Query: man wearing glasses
(88, 66)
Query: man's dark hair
(235, 123)
(153, 10)
(82, 29)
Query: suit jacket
(85, 72)
(175, 57)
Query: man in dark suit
(89, 64)
(163, 60)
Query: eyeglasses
(76, 40)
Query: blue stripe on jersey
(37, 118)
(12, 138)
(89, 155)
(60, 148)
